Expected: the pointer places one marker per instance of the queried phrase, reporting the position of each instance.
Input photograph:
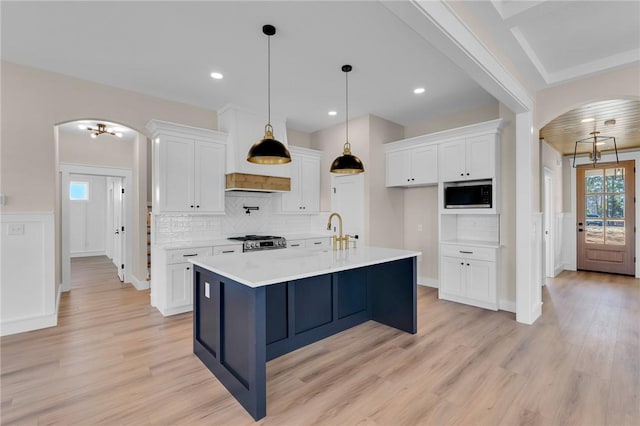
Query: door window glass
(605, 206)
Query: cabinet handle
(467, 174)
(466, 252)
(228, 251)
(318, 242)
(294, 245)
(408, 179)
(412, 179)
(189, 255)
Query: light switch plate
(207, 291)
(15, 229)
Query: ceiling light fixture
(216, 75)
(268, 150)
(588, 120)
(347, 163)
(101, 130)
(595, 141)
(332, 113)
(418, 90)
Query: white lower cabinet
(172, 276)
(468, 275)
(309, 243)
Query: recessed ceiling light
(332, 113)
(418, 90)
(216, 75)
(82, 126)
(588, 120)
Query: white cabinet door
(291, 200)
(180, 285)
(451, 161)
(310, 176)
(397, 171)
(481, 157)
(424, 165)
(304, 196)
(452, 277)
(209, 177)
(176, 175)
(481, 280)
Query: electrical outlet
(419, 227)
(15, 229)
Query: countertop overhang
(276, 266)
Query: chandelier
(101, 129)
(595, 143)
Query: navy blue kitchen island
(254, 307)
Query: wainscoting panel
(27, 275)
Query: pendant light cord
(269, 80)
(346, 77)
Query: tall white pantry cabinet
(469, 248)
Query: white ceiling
(168, 49)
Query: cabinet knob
(188, 268)
(467, 174)
(461, 174)
(191, 205)
(408, 179)
(197, 207)
(467, 264)
(412, 179)
(462, 263)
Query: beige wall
(35, 101)
(619, 84)
(464, 118)
(552, 159)
(331, 141)
(507, 272)
(106, 151)
(298, 138)
(386, 220)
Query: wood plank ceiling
(563, 131)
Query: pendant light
(268, 150)
(347, 163)
(594, 142)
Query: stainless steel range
(261, 242)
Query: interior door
(606, 217)
(347, 198)
(118, 227)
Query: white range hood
(245, 128)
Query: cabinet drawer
(183, 255)
(232, 248)
(296, 244)
(468, 252)
(318, 243)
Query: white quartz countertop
(276, 266)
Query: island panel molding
(238, 327)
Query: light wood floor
(115, 360)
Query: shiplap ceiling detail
(566, 129)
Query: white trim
(36, 322)
(441, 27)
(66, 169)
(139, 284)
(507, 305)
(88, 253)
(165, 127)
(428, 282)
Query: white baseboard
(507, 305)
(557, 270)
(139, 284)
(428, 282)
(21, 325)
(88, 253)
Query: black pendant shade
(268, 150)
(347, 163)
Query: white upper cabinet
(472, 158)
(188, 169)
(304, 196)
(417, 165)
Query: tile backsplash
(236, 221)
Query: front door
(606, 217)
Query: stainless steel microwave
(468, 197)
